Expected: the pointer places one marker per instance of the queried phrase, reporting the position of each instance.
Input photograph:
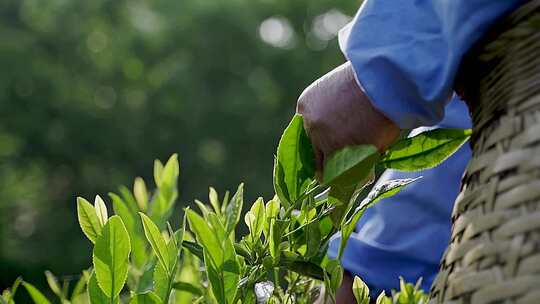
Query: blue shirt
(406, 235)
(406, 53)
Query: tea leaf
(156, 240)
(101, 210)
(161, 282)
(383, 299)
(360, 291)
(110, 257)
(255, 218)
(95, 294)
(295, 263)
(141, 194)
(129, 199)
(78, 289)
(193, 248)
(349, 166)
(347, 171)
(134, 229)
(380, 191)
(313, 239)
(146, 298)
(172, 247)
(219, 256)
(234, 209)
(425, 150)
(164, 200)
(272, 211)
(158, 172)
(386, 189)
(214, 201)
(8, 294)
(336, 274)
(170, 172)
(88, 219)
(35, 294)
(53, 283)
(277, 227)
(294, 166)
(188, 287)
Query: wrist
(384, 130)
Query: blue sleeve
(406, 235)
(406, 53)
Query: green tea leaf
(193, 248)
(141, 194)
(146, 298)
(425, 150)
(158, 172)
(313, 239)
(88, 219)
(78, 289)
(129, 199)
(360, 291)
(163, 202)
(336, 274)
(95, 294)
(219, 256)
(234, 210)
(134, 229)
(255, 218)
(170, 172)
(383, 299)
(346, 172)
(272, 211)
(294, 167)
(386, 189)
(172, 247)
(188, 287)
(156, 240)
(380, 191)
(161, 282)
(277, 227)
(53, 283)
(214, 201)
(349, 166)
(297, 264)
(202, 207)
(35, 294)
(101, 210)
(7, 295)
(110, 257)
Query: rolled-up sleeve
(406, 53)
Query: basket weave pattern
(494, 251)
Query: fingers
(337, 113)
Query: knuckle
(302, 103)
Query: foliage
(426, 151)
(408, 293)
(92, 90)
(281, 259)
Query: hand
(337, 113)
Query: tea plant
(138, 257)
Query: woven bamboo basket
(494, 251)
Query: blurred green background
(92, 91)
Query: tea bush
(139, 258)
